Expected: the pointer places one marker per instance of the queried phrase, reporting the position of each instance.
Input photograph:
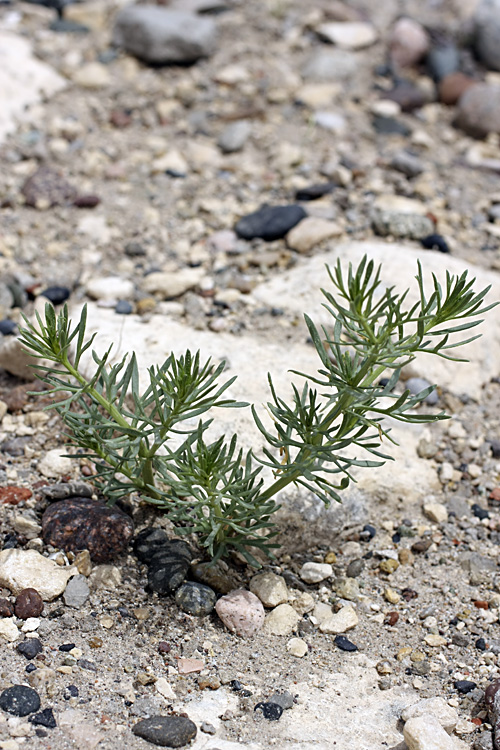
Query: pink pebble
(409, 42)
(241, 612)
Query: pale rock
(321, 613)
(24, 81)
(347, 588)
(9, 745)
(234, 136)
(96, 228)
(24, 569)
(106, 577)
(312, 572)
(202, 155)
(352, 549)
(43, 680)
(232, 75)
(331, 121)
(434, 640)
(8, 629)
(92, 14)
(82, 732)
(54, 465)
(282, 620)
(170, 284)
(303, 603)
(340, 622)
(270, 588)
(165, 689)
(385, 108)
(15, 359)
(436, 707)
(241, 612)
(408, 42)
(330, 65)
(350, 36)
(28, 527)
(436, 512)
(110, 288)
(316, 95)
(93, 75)
(311, 232)
(172, 161)
(297, 647)
(3, 409)
(77, 592)
(31, 624)
(159, 35)
(426, 733)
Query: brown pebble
(452, 86)
(481, 605)
(95, 642)
(164, 647)
(495, 495)
(47, 186)
(80, 523)
(86, 201)
(6, 608)
(405, 557)
(120, 118)
(391, 618)
(213, 683)
(421, 546)
(409, 594)
(28, 603)
(14, 495)
(86, 470)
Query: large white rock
(298, 290)
(24, 569)
(426, 733)
(24, 81)
(436, 707)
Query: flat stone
(436, 512)
(311, 232)
(282, 620)
(157, 35)
(269, 222)
(312, 572)
(77, 592)
(330, 65)
(340, 622)
(169, 285)
(166, 731)
(22, 569)
(270, 588)
(297, 647)
(110, 287)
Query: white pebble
(312, 572)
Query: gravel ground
(430, 621)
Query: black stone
(30, 648)
(367, 533)
(481, 644)
(270, 711)
(495, 448)
(67, 646)
(172, 548)
(464, 686)
(269, 222)
(19, 700)
(167, 574)
(195, 598)
(344, 644)
(45, 718)
(435, 242)
(8, 327)
(389, 126)
(124, 307)
(147, 542)
(71, 691)
(166, 731)
(56, 294)
(30, 667)
(313, 192)
(480, 512)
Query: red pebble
(477, 721)
(391, 618)
(28, 603)
(481, 605)
(14, 495)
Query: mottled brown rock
(80, 523)
(46, 188)
(6, 608)
(28, 603)
(452, 86)
(13, 495)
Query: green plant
(158, 443)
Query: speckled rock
(80, 523)
(28, 603)
(47, 187)
(195, 598)
(22, 569)
(19, 700)
(241, 612)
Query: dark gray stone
(30, 648)
(166, 731)
(158, 36)
(487, 33)
(195, 598)
(269, 222)
(19, 700)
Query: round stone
(28, 603)
(166, 731)
(80, 523)
(195, 598)
(270, 711)
(241, 612)
(19, 700)
(56, 294)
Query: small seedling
(157, 442)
